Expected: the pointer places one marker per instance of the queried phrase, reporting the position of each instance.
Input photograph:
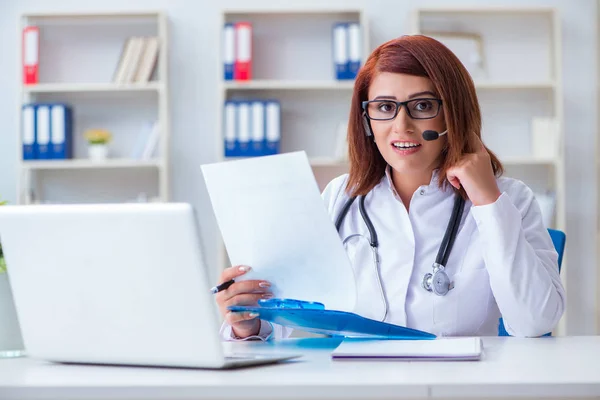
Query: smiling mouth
(405, 146)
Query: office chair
(559, 239)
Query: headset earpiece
(367, 125)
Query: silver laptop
(114, 284)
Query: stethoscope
(437, 282)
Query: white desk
(562, 367)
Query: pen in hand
(222, 286)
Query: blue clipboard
(313, 317)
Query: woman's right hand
(244, 293)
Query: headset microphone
(432, 135)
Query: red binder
(31, 54)
(242, 69)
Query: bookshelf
(79, 56)
(517, 78)
(314, 104)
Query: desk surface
(557, 367)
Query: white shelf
(88, 164)
(327, 162)
(487, 85)
(289, 85)
(112, 15)
(292, 12)
(92, 87)
(486, 10)
(528, 161)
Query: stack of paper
(441, 349)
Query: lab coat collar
(433, 183)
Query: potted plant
(11, 342)
(98, 140)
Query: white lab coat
(503, 262)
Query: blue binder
(272, 126)
(61, 132)
(228, 51)
(42, 128)
(257, 131)
(354, 49)
(313, 317)
(230, 129)
(340, 51)
(28, 131)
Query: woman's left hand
(475, 174)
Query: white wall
(193, 68)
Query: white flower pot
(11, 342)
(98, 152)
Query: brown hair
(421, 56)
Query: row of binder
(347, 49)
(47, 131)
(252, 128)
(237, 51)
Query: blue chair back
(559, 240)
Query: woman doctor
(502, 262)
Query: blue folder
(313, 317)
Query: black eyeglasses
(385, 110)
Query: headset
(428, 135)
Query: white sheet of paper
(272, 218)
(441, 349)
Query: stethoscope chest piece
(438, 282)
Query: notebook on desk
(440, 349)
